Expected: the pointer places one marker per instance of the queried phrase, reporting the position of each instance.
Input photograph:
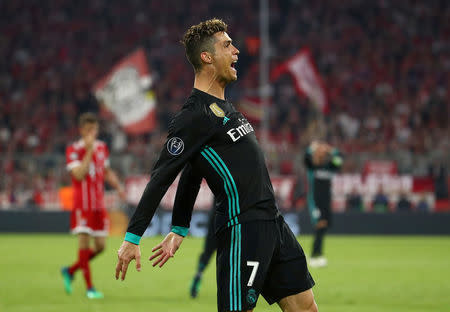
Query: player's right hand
(127, 252)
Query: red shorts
(94, 223)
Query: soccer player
(257, 253)
(88, 163)
(322, 162)
(209, 247)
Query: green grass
(365, 273)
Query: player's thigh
(83, 240)
(99, 243)
(243, 259)
(301, 302)
(288, 274)
(99, 223)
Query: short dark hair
(199, 38)
(87, 118)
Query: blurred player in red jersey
(88, 163)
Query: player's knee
(99, 248)
(309, 307)
(322, 224)
(303, 302)
(313, 307)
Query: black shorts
(321, 212)
(259, 257)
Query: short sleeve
(72, 158)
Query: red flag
(124, 92)
(306, 77)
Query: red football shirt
(88, 193)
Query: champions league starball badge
(175, 146)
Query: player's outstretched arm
(166, 249)
(127, 252)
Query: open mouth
(233, 64)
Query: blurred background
(380, 93)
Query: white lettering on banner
(283, 187)
(367, 187)
(342, 184)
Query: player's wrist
(180, 230)
(132, 238)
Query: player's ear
(206, 57)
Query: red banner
(306, 78)
(380, 167)
(125, 93)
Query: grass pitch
(365, 273)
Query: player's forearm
(153, 193)
(113, 180)
(187, 191)
(144, 211)
(80, 171)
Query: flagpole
(264, 87)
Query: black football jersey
(210, 140)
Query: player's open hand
(166, 249)
(126, 253)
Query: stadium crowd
(386, 66)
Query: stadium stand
(386, 66)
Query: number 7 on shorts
(255, 265)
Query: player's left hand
(166, 249)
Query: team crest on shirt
(217, 110)
(175, 146)
(251, 296)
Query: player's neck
(205, 82)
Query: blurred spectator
(354, 201)
(404, 204)
(422, 204)
(380, 201)
(439, 174)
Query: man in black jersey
(257, 252)
(322, 162)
